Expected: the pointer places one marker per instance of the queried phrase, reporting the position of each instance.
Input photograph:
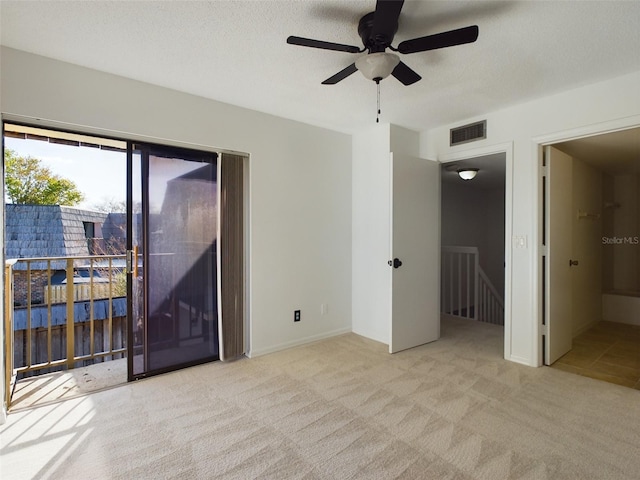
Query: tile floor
(608, 351)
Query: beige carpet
(339, 409)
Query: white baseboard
(520, 360)
(297, 343)
(374, 336)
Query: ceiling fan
(376, 29)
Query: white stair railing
(491, 307)
(458, 281)
(466, 291)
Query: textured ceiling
(236, 52)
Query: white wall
(475, 217)
(621, 231)
(586, 247)
(300, 182)
(594, 108)
(3, 406)
(626, 227)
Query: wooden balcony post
(70, 316)
(29, 329)
(92, 347)
(8, 332)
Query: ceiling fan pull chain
(378, 87)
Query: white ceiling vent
(468, 133)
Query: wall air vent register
(468, 133)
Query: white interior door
(559, 239)
(415, 243)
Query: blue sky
(99, 174)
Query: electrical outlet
(296, 315)
(324, 309)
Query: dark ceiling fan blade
(385, 19)
(341, 75)
(308, 42)
(440, 40)
(406, 75)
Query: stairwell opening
(473, 239)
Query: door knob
(573, 263)
(396, 263)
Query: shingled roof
(115, 226)
(34, 231)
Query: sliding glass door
(172, 224)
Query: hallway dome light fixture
(377, 66)
(467, 173)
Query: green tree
(28, 181)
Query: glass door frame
(144, 150)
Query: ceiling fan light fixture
(377, 66)
(467, 173)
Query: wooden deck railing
(81, 292)
(79, 320)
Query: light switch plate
(520, 241)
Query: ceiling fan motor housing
(374, 42)
(377, 30)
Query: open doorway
(601, 290)
(64, 246)
(473, 238)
